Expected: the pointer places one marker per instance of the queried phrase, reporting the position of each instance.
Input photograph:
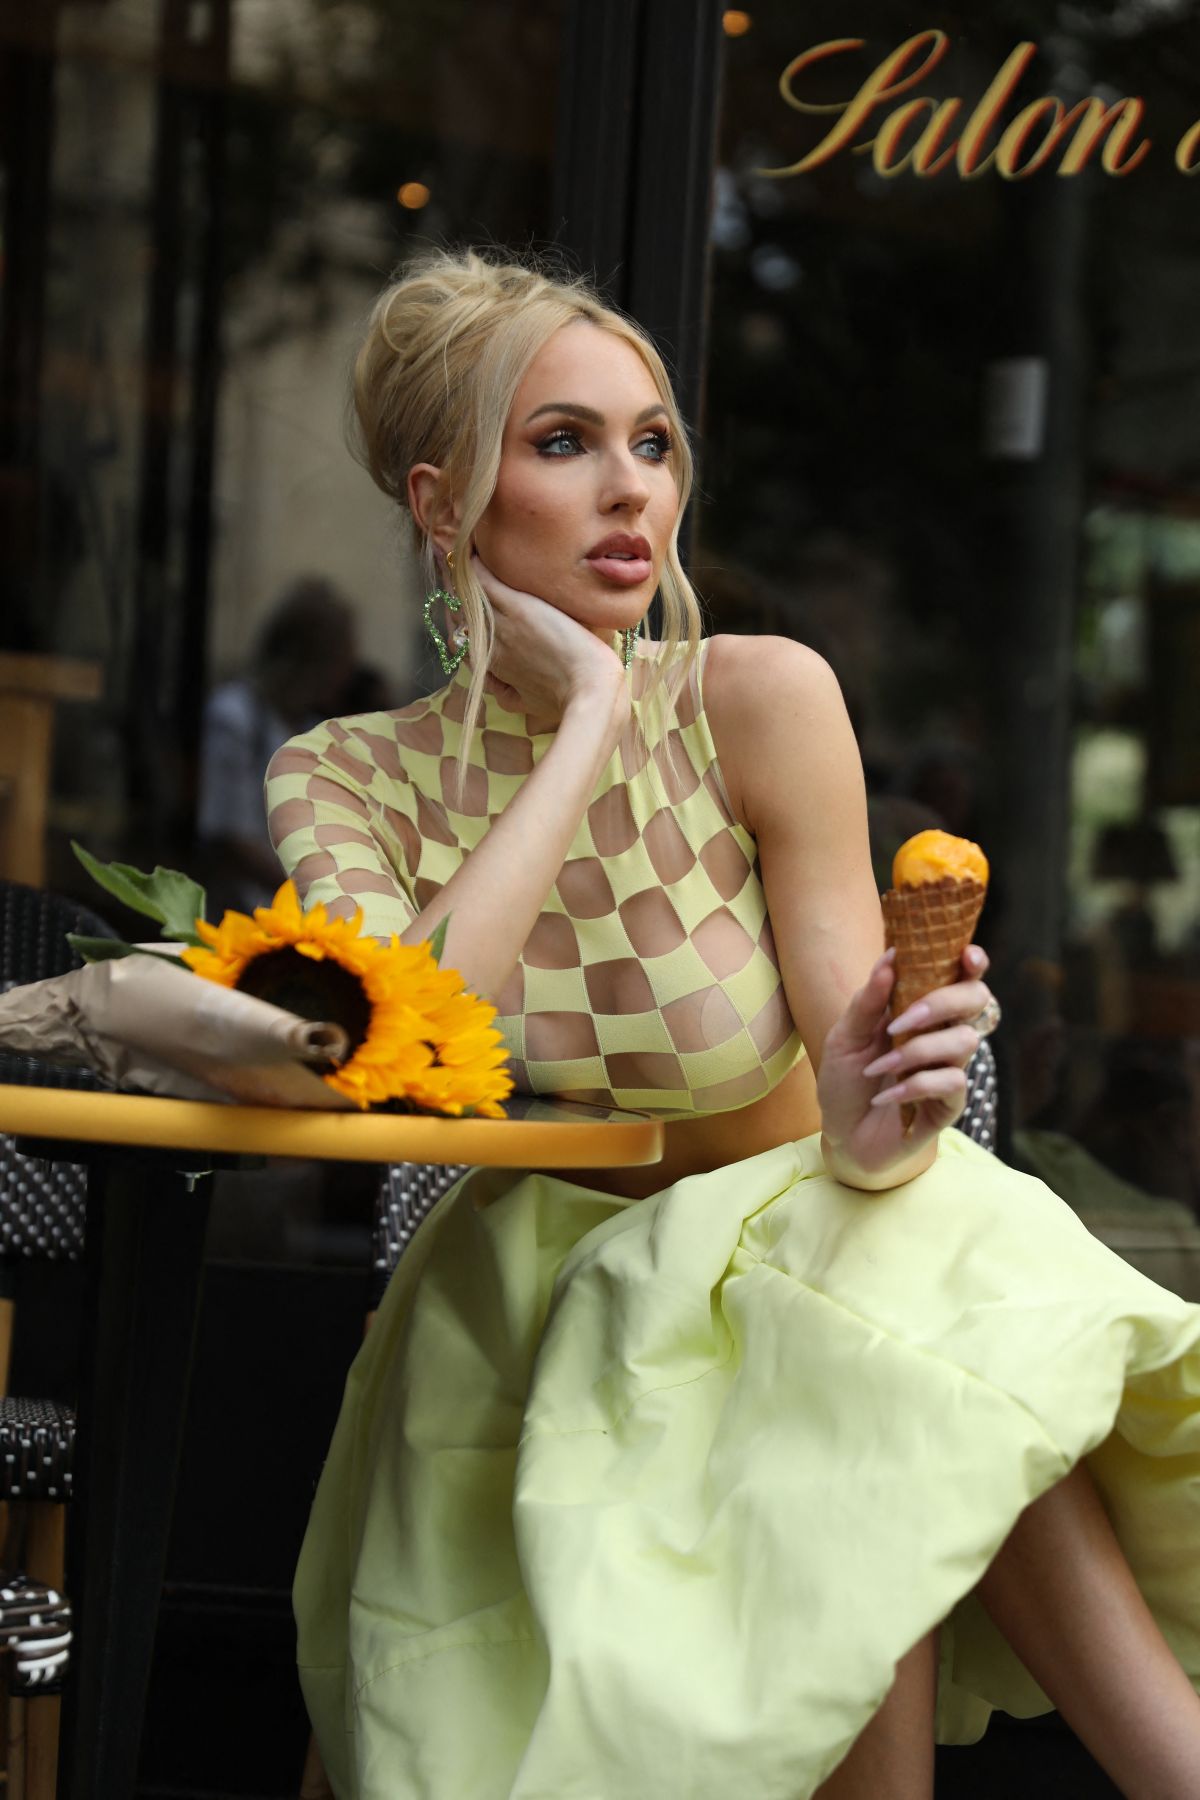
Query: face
(586, 498)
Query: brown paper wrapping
(140, 1022)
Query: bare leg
(892, 1759)
(1063, 1595)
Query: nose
(625, 484)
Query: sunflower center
(310, 989)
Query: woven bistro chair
(35, 1634)
(41, 1204)
(407, 1194)
(42, 1207)
(35, 1626)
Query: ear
(433, 513)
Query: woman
(717, 1477)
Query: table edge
(144, 1121)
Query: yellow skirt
(645, 1500)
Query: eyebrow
(589, 414)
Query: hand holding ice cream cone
(893, 1064)
(930, 914)
(931, 911)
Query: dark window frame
(634, 171)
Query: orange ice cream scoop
(934, 855)
(931, 912)
(929, 916)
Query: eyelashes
(564, 441)
(663, 442)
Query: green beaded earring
(630, 637)
(449, 663)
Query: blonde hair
(447, 346)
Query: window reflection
(950, 444)
(199, 200)
(194, 226)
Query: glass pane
(950, 443)
(199, 200)
(357, 132)
(224, 186)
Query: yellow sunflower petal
(429, 1040)
(285, 912)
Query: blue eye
(554, 444)
(660, 443)
(563, 442)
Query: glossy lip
(621, 543)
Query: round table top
(541, 1134)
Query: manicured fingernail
(899, 1092)
(976, 957)
(916, 1015)
(883, 1065)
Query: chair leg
(7, 1315)
(46, 1542)
(32, 1747)
(13, 1742)
(44, 1560)
(14, 1749)
(30, 1735)
(41, 1747)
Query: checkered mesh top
(650, 980)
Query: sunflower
(416, 1035)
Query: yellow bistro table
(148, 1161)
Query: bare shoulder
(773, 705)
(739, 670)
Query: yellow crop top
(650, 980)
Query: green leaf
(97, 949)
(173, 900)
(438, 940)
(108, 949)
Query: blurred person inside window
(302, 664)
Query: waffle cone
(930, 927)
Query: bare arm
(501, 887)
(325, 810)
(794, 773)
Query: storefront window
(950, 444)
(221, 187)
(196, 216)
